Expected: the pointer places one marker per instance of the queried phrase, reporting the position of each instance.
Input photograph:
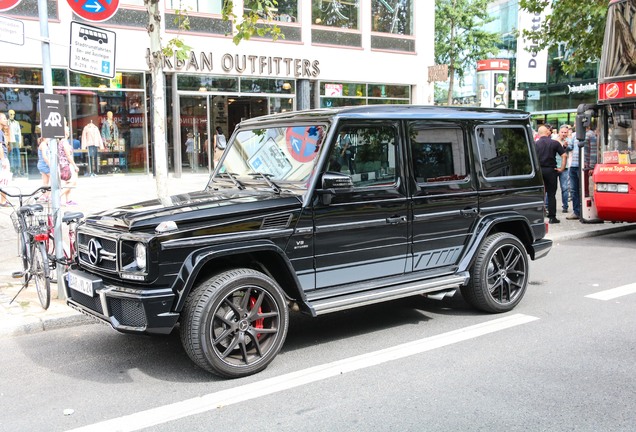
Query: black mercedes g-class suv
(321, 211)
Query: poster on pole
(92, 50)
(52, 115)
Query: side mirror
(334, 183)
(583, 120)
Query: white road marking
(212, 401)
(614, 293)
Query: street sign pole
(47, 78)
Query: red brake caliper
(259, 322)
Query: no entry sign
(5, 5)
(93, 10)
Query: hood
(190, 208)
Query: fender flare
(197, 260)
(483, 228)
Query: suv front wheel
(499, 276)
(235, 323)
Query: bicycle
(71, 219)
(30, 222)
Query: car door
(362, 234)
(445, 200)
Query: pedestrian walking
(190, 151)
(44, 165)
(547, 150)
(564, 176)
(5, 165)
(68, 170)
(575, 179)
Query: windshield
(282, 154)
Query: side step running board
(392, 292)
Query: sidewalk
(25, 315)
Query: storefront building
(333, 53)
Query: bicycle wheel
(25, 252)
(40, 273)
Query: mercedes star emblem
(94, 249)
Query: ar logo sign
(53, 120)
(51, 107)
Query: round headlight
(140, 256)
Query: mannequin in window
(92, 142)
(14, 141)
(110, 132)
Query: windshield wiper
(266, 177)
(232, 177)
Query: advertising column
(493, 83)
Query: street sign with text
(11, 31)
(92, 50)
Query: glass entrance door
(192, 154)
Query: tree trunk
(451, 82)
(155, 61)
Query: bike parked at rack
(30, 222)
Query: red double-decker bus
(608, 159)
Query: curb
(603, 229)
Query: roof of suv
(394, 111)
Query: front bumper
(128, 310)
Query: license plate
(81, 284)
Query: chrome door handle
(396, 220)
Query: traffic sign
(11, 31)
(302, 143)
(6, 5)
(52, 115)
(93, 10)
(92, 50)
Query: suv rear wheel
(499, 276)
(235, 323)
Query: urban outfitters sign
(244, 64)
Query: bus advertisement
(607, 131)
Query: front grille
(128, 312)
(91, 303)
(107, 254)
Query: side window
(504, 151)
(438, 153)
(366, 153)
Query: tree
(247, 27)
(577, 26)
(460, 38)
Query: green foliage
(254, 10)
(460, 39)
(578, 26)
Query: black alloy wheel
(499, 276)
(235, 323)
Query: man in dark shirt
(548, 150)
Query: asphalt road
(560, 361)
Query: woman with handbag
(68, 170)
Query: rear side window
(438, 153)
(504, 151)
